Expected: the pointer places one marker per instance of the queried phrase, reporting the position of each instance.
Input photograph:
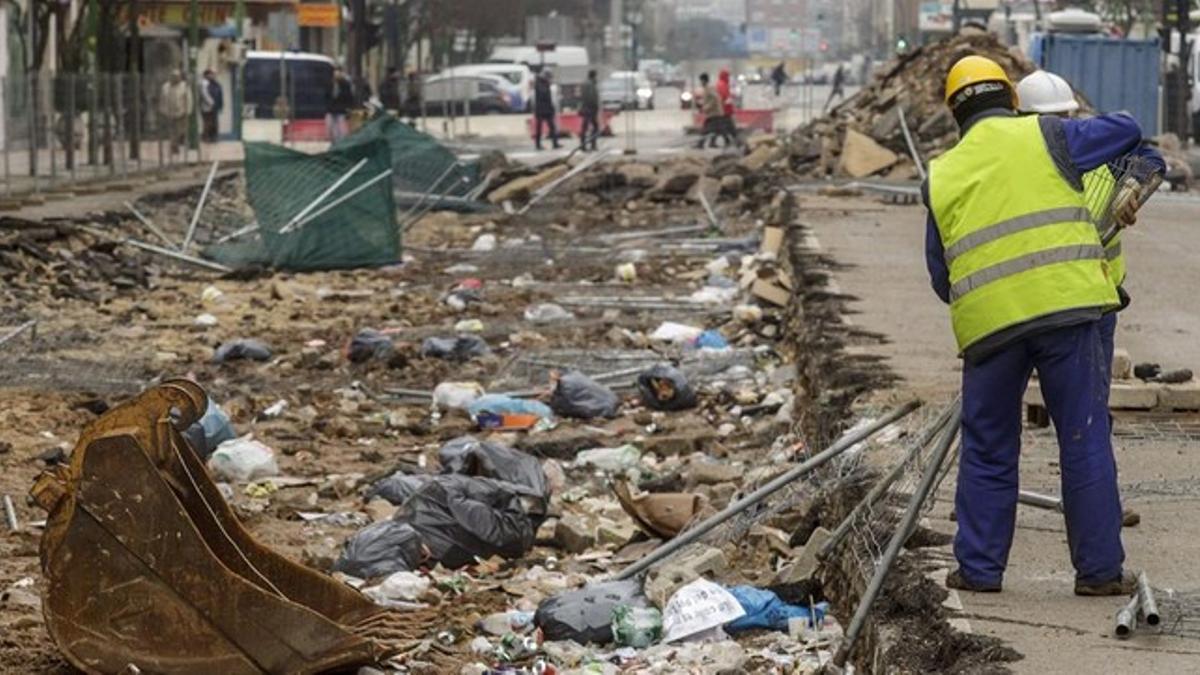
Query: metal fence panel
(1115, 75)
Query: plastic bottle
(512, 621)
(637, 627)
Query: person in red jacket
(726, 127)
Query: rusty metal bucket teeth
(147, 565)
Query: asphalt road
(882, 247)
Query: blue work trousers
(1108, 336)
(1074, 377)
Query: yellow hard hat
(971, 70)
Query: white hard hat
(1044, 92)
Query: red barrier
(305, 130)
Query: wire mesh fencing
(863, 536)
(66, 130)
(33, 358)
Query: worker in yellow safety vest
(1045, 93)
(1011, 247)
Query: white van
(562, 56)
(518, 80)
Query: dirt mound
(912, 83)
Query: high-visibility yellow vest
(1098, 185)
(1019, 240)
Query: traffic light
(824, 46)
(901, 44)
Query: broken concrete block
(521, 188)
(772, 241)
(805, 565)
(1185, 396)
(772, 293)
(1122, 365)
(862, 156)
(689, 564)
(616, 534)
(732, 184)
(677, 183)
(1132, 395)
(380, 509)
(762, 156)
(638, 175)
(573, 534)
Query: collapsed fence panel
(419, 159)
(289, 192)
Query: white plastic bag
(398, 588)
(669, 331)
(242, 460)
(456, 395)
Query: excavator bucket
(146, 564)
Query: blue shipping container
(1115, 75)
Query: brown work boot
(1130, 518)
(956, 581)
(1126, 584)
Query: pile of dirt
(864, 136)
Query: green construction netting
(421, 164)
(334, 210)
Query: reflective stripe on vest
(1113, 250)
(1014, 225)
(1019, 240)
(1024, 263)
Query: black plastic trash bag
(577, 395)
(256, 350)
(665, 388)
(369, 344)
(460, 518)
(470, 456)
(585, 615)
(461, 348)
(398, 487)
(516, 470)
(381, 549)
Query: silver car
(625, 90)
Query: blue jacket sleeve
(1153, 158)
(1096, 141)
(935, 253)
(935, 260)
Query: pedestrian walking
(1011, 247)
(726, 127)
(212, 101)
(341, 102)
(838, 89)
(779, 78)
(174, 108)
(543, 108)
(710, 108)
(589, 110)
(389, 89)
